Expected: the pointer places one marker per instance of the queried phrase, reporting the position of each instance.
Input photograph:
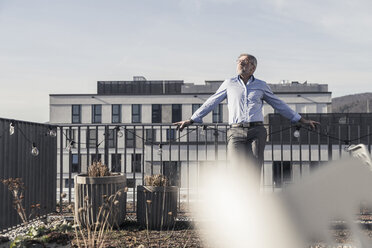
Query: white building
(140, 103)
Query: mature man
(245, 95)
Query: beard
(240, 71)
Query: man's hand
(182, 124)
(310, 123)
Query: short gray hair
(252, 59)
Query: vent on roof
(139, 78)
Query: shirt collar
(250, 80)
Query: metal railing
(38, 153)
(145, 149)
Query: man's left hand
(310, 123)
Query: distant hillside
(352, 103)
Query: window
(76, 114)
(95, 157)
(75, 168)
(217, 114)
(208, 134)
(195, 107)
(116, 162)
(96, 113)
(129, 139)
(282, 173)
(171, 134)
(156, 113)
(70, 138)
(314, 165)
(150, 135)
(136, 162)
(172, 171)
(176, 112)
(116, 113)
(69, 183)
(112, 138)
(91, 138)
(136, 113)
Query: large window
(69, 183)
(172, 171)
(112, 138)
(70, 138)
(217, 114)
(136, 162)
(156, 113)
(150, 135)
(96, 113)
(176, 112)
(171, 134)
(116, 113)
(116, 162)
(76, 114)
(282, 173)
(95, 157)
(129, 138)
(91, 138)
(136, 113)
(195, 107)
(75, 163)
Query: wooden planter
(89, 192)
(157, 206)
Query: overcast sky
(56, 47)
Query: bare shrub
(156, 180)
(98, 169)
(95, 233)
(17, 187)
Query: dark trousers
(247, 143)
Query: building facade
(128, 125)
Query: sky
(65, 47)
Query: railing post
(329, 146)
(106, 149)
(70, 145)
(216, 142)
(60, 168)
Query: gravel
(23, 229)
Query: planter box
(157, 206)
(94, 188)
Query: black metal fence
(139, 150)
(27, 151)
(38, 153)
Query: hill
(356, 103)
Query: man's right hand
(182, 124)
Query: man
(245, 95)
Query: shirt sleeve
(210, 103)
(279, 105)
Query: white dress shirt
(245, 101)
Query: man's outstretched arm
(207, 107)
(285, 110)
(182, 124)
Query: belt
(247, 124)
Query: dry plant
(156, 180)
(95, 231)
(17, 187)
(98, 169)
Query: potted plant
(156, 203)
(100, 196)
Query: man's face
(244, 67)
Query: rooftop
(141, 86)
